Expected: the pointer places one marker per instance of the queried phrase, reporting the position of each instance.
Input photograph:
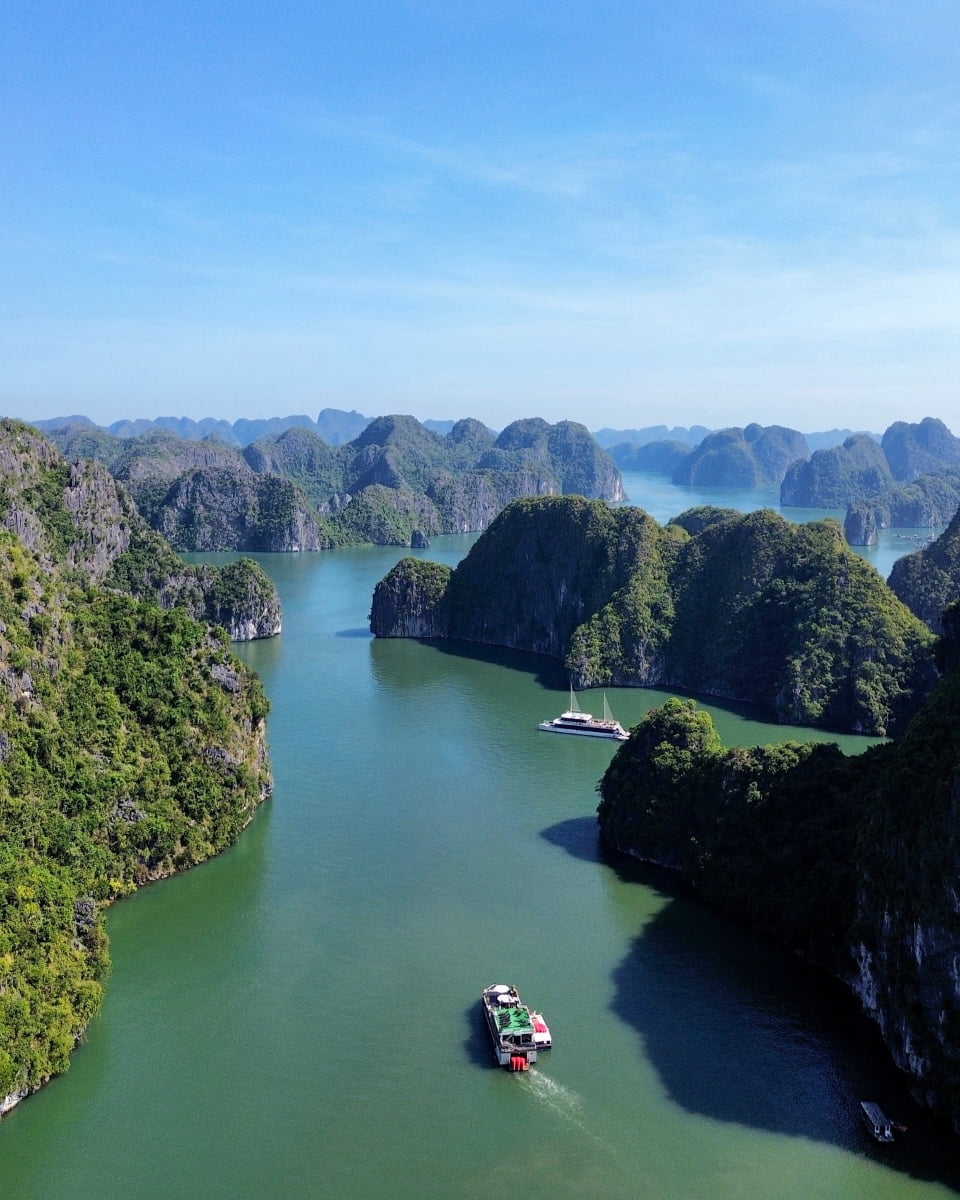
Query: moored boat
(512, 1027)
(879, 1125)
(574, 720)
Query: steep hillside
(397, 483)
(750, 457)
(920, 449)
(748, 607)
(836, 477)
(925, 503)
(131, 740)
(929, 579)
(852, 862)
(77, 513)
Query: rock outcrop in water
(132, 740)
(747, 607)
(926, 503)
(851, 862)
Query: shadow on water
(476, 1044)
(354, 633)
(739, 1030)
(389, 662)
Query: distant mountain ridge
(396, 483)
(334, 425)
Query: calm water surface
(300, 1017)
(663, 500)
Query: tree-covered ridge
(852, 862)
(131, 746)
(861, 476)
(766, 833)
(77, 515)
(334, 425)
(919, 449)
(396, 483)
(750, 457)
(928, 580)
(749, 607)
(833, 478)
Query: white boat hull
(552, 727)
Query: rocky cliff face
(396, 483)
(216, 509)
(926, 503)
(407, 603)
(78, 513)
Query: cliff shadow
(739, 1030)
(389, 660)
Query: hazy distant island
(851, 862)
(295, 483)
(909, 478)
(132, 740)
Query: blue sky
(623, 213)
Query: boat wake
(560, 1100)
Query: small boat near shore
(878, 1123)
(516, 1032)
(574, 720)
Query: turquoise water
(300, 1017)
(663, 500)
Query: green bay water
(300, 1017)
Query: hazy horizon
(616, 214)
(313, 416)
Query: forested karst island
(746, 607)
(132, 740)
(396, 482)
(909, 478)
(851, 862)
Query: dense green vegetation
(750, 457)
(750, 607)
(765, 833)
(929, 580)
(130, 748)
(838, 476)
(396, 483)
(131, 739)
(850, 861)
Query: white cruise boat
(574, 720)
